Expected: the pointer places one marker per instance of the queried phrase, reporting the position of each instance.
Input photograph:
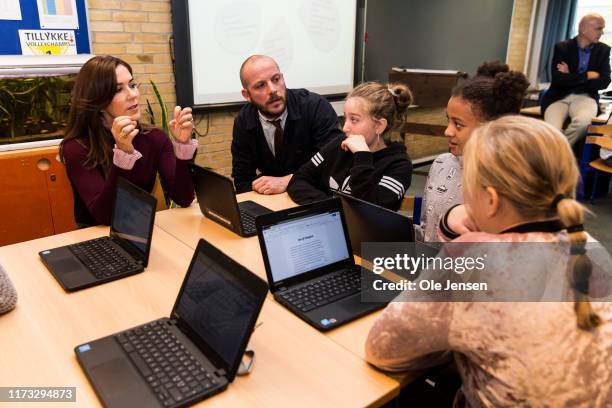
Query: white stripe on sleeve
(391, 187)
(317, 159)
(393, 181)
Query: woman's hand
(181, 126)
(124, 131)
(355, 143)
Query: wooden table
(189, 225)
(295, 366)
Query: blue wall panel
(9, 29)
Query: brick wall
(519, 34)
(214, 150)
(138, 31)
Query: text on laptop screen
(217, 307)
(305, 244)
(131, 219)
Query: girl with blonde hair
(519, 179)
(366, 163)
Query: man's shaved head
(250, 61)
(591, 28)
(587, 18)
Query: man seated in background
(278, 130)
(580, 68)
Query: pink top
(528, 354)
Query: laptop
(309, 264)
(194, 354)
(217, 200)
(125, 252)
(368, 222)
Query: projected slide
(238, 27)
(319, 18)
(312, 40)
(278, 42)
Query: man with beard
(278, 130)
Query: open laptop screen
(218, 306)
(304, 244)
(368, 222)
(132, 218)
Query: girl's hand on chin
(355, 143)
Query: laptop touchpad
(68, 265)
(115, 378)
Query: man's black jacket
(575, 83)
(311, 122)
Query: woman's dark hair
(94, 89)
(492, 68)
(494, 91)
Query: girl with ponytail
(531, 165)
(519, 180)
(494, 91)
(367, 163)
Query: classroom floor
(599, 225)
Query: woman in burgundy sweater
(104, 140)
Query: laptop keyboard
(102, 258)
(326, 290)
(248, 222)
(171, 371)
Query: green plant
(163, 110)
(150, 113)
(164, 124)
(162, 107)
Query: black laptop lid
(368, 222)
(216, 196)
(303, 242)
(132, 220)
(218, 305)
